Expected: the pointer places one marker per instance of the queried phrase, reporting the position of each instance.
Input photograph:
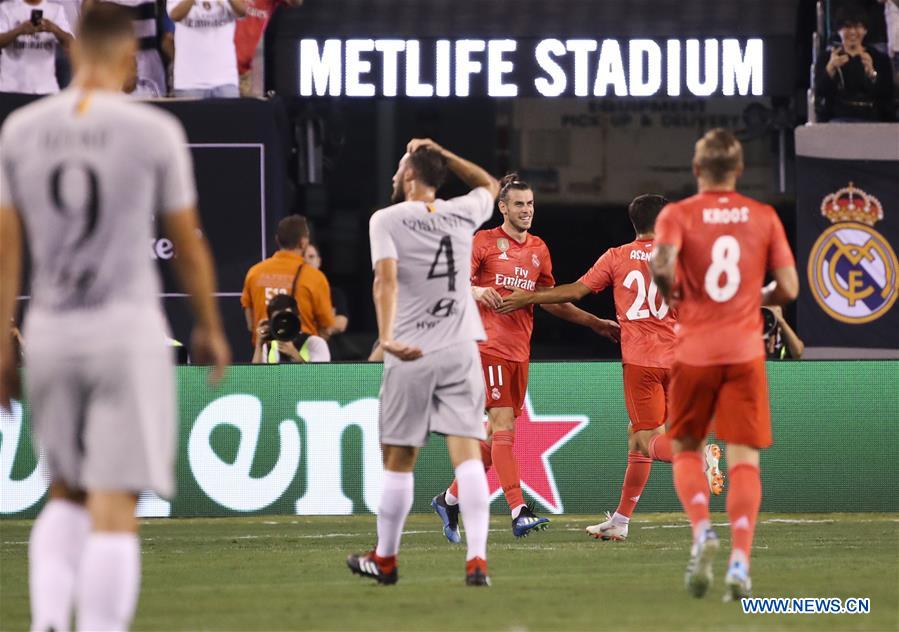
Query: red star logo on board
(537, 437)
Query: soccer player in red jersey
(647, 353)
(505, 257)
(712, 252)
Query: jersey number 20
(636, 310)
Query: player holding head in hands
(719, 245)
(506, 257)
(647, 353)
(103, 404)
(428, 327)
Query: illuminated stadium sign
(550, 67)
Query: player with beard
(504, 258)
(647, 353)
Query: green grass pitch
(274, 573)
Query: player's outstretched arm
(784, 289)
(384, 292)
(600, 326)
(661, 264)
(568, 293)
(10, 276)
(193, 265)
(468, 172)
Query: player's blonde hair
(718, 155)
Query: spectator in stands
(854, 83)
(301, 347)
(247, 36)
(30, 33)
(205, 57)
(891, 16)
(287, 273)
(781, 342)
(145, 17)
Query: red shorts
(506, 382)
(735, 395)
(645, 395)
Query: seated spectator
(151, 77)
(272, 348)
(781, 342)
(287, 273)
(247, 35)
(205, 57)
(139, 87)
(30, 33)
(854, 83)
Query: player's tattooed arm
(384, 292)
(10, 276)
(661, 264)
(568, 293)
(468, 172)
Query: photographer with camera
(280, 340)
(781, 342)
(30, 33)
(855, 82)
(286, 272)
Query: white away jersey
(87, 172)
(432, 246)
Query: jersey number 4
(636, 310)
(444, 264)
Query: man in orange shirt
(286, 272)
(647, 353)
(711, 254)
(506, 257)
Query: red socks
(692, 488)
(660, 448)
(743, 501)
(385, 564)
(635, 477)
(486, 457)
(507, 467)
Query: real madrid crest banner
(848, 234)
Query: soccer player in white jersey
(428, 327)
(84, 172)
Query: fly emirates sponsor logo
(520, 281)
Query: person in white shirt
(205, 56)
(30, 32)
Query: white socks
(396, 501)
(620, 519)
(54, 551)
(475, 506)
(450, 499)
(108, 581)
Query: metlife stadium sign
(549, 67)
(303, 439)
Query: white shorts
(441, 392)
(106, 420)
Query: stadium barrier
(304, 440)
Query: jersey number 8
(636, 310)
(725, 260)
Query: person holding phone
(854, 83)
(30, 33)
